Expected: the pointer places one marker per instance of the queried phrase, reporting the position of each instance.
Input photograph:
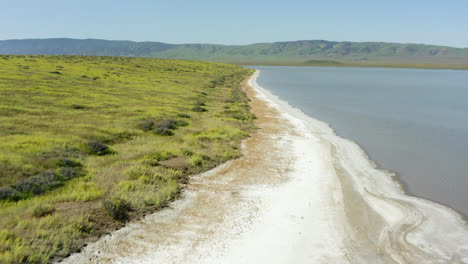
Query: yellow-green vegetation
(89, 142)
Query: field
(87, 143)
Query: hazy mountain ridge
(279, 52)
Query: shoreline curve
(420, 221)
(299, 194)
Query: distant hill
(302, 52)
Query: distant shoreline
(361, 65)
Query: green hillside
(279, 53)
(89, 142)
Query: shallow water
(410, 121)
(299, 182)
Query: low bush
(181, 123)
(198, 108)
(39, 183)
(147, 125)
(66, 162)
(68, 173)
(182, 115)
(165, 127)
(6, 192)
(163, 131)
(117, 208)
(96, 147)
(168, 124)
(200, 103)
(77, 106)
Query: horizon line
(255, 43)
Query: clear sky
(443, 22)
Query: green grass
(82, 147)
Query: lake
(410, 121)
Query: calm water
(413, 122)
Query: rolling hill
(305, 52)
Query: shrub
(165, 127)
(121, 137)
(117, 208)
(42, 210)
(198, 108)
(147, 125)
(182, 115)
(55, 72)
(6, 192)
(66, 162)
(39, 183)
(98, 148)
(68, 173)
(200, 103)
(168, 124)
(77, 106)
(163, 131)
(181, 123)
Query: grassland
(87, 143)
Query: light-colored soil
(299, 194)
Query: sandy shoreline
(299, 194)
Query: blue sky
(239, 22)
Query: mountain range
(302, 52)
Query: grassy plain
(87, 143)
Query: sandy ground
(299, 194)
